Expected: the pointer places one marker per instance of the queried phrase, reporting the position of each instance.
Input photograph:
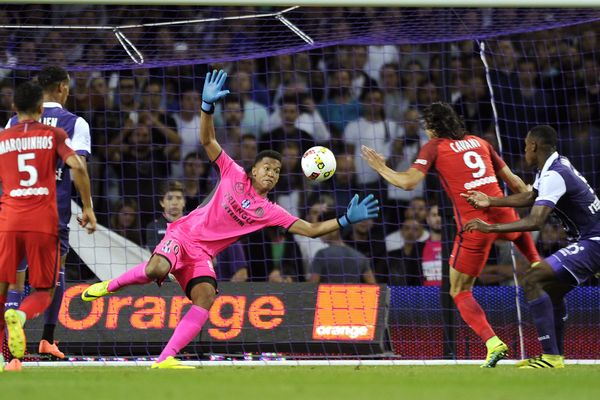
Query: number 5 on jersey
(29, 169)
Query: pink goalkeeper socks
(188, 328)
(135, 276)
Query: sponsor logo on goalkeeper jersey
(236, 211)
(346, 312)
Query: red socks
(472, 313)
(35, 304)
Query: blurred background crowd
(148, 167)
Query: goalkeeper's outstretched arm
(210, 94)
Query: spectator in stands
(372, 129)
(172, 202)
(255, 114)
(162, 125)
(196, 181)
(428, 93)
(582, 144)
(125, 220)
(187, 121)
(339, 107)
(248, 150)
(377, 56)
(474, 105)
(6, 100)
(275, 139)
(368, 238)
(532, 100)
(343, 184)
(339, 263)
(417, 209)
(431, 256)
(589, 84)
(405, 266)
(259, 92)
(231, 264)
(355, 61)
(310, 120)
(413, 76)
(404, 151)
(143, 166)
(395, 104)
(230, 134)
(290, 187)
(300, 250)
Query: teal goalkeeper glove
(212, 90)
(357, 212)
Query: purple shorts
(187, 261)
(576, 262)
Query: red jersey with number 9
(470, 163)
(28, 154)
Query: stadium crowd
(146, 151)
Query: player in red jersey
(464, 162)
(29, 152)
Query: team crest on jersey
(260, 212)
(245, 204)
(239, 187)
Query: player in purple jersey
(561, 189)
(238, 205)
(55, 83)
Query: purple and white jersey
(561, 187)
(78, 131)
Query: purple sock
(51, 314)
(135, 276)
(560, 317)
(13, 300)
(188, 328)
(543, 318)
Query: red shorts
(187, 262)
(41, 251)
(471, 249)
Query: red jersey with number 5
(28, 154)
(470, 163)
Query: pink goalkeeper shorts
(187, 261)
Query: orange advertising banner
(346, 312)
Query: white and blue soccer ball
(318, 163)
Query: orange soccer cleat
(50, 349)
(13, 365)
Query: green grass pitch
(576, 382)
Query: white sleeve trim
(551, 187)
(81, 136)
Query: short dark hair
(28, 97)
(267, 154)
(441, 118)
(50, 76)
(289, 99)
(328, 214)
(172, 186)
(544, 135)
(248, 136)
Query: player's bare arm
(81, 180)
(481, 200)
(210, 94)
(514, 182)
(357, 211)
(533, 222)
(406, 180)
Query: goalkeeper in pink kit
(237, 206)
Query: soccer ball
(318, 163)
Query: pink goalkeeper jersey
(231, 210)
